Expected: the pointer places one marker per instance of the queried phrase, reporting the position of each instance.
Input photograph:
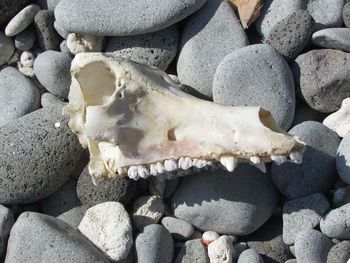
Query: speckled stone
(48, 99)
(179, 229)
(193, 251)
(335, 224)
(25, 40)
(339, 253)
(47, 37)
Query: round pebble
(343, 159)
(179, 229)
(336, 38)
(209, 35)
(156, 49)
(257, 75)
(326, 13)
(6, 48)
(22, 20)
(339, 253)
(47, 37)
(52, 69)
(6, 223)
(18, 95)
(209, 236)
(193, 251)
(250, 256)
(228, 203)
(25, 40)
(9, 8)
(335, 223)
(346, 14)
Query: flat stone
(22, 20)
(231, 203)
(25, 40)
(18, 95)
(339, 253)
(250, 256)
(39, 152)
(326, 13)
(6, 48)
(335, 223)
(9, 8)
(47, 37)
(154, 244)
(312, 246)
(6, 223)
(156, 49)
(302, 214)
(40, 238)
(73, 216)
(248, 77)
(121, 189)
(291, 34)
(346, 14)
(336, 38)
(193, 251)
(220, 250)
(317, 172)
(209, 35)
(52, 68)
(110, 18)
(339, 121)
(178, 228)
(343, 159)
(108, 226)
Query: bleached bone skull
(136, 121)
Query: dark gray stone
(304, 113)
(322, 78)
(6, 223)
(346, 14)
(317, 172)
(335, 224)
(343, 159)
(37, 157)
(154, 244)
(40, 238)
(25, 40)
(9, 8)
(74, 216)
(339, 253)
(209, 35)
(250, 256)
(257, 75)
(47, 37)
(179, 229)
(228, 203)
(6, 48)
(193, 251)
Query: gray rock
(52, 69)
(18, 95)
(51, 4)
(48, 99)
(209, 35)
(336, 38)
(22, 20)
(273, 11)
(39, 152)
(40, 238)
(121, 189)
(317, 172)
(25, 40)
(304, 113)
(290, 35)
(250, 256)
(64, 48)
(341, 196)
(343, 159)
(74, 216)
(228, 203)
(312, 246)
(326, 13)
(47, 37)
(302, 214)
(6, 223)
(9, 8)
(339, 253)
(335, 224)
(154, 244)
(64, 199)
(257, 75)
(346, 14)
(178, 228)
(155, 49)
(238, 249)
(6, 48)
(193, 251)
(322, 78)
(110, 18)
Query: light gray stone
(346, 14)
(193, 251)
(111, 18)
(209, 35)
(335, 224)
(51, 4)
(6, 223)
(18, 95)
(250, 256)
(6, 48)
(178, 228)
(74, 216)
(48, 99)
(257, 75)
(339, 253)
(326, 13)
(336, 38)
(343, 159)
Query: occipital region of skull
(136, 121)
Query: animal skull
(136, 121)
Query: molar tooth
(185, 163)
(170, 165)
(255, 159)
(153, 169)
(143, 171)
(198, 163)
(229, 162)
(160, 168)
(296, 157)
(278, 159)
(132, 173)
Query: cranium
(136, 121)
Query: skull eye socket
(171, 135)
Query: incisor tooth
(278, 159)
(153, 169)
(229, 162)
(296, 157)
(132, 173)
(255, 159)
(143, 172)
(160, 168)
(185, 163)
(170, 165)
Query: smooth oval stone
(343, 159)
(322, 78)
(25, 40)
(156, 49)
(52, 68)
(179, 229)
(22, 20)
(209, 35)
(290, 35)
(122, 18)
(154, 244)
(47, 37)
(39, 152)
(336, 38)
(250, 256)
(257, 75)
(339, 253)
(9, 8)
(346, 14)
(317, 172)
(235, 203)
(18, 95)
(6, 48)
(326, 13)
(40, 238)
(335, 224)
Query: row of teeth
(186, 163)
